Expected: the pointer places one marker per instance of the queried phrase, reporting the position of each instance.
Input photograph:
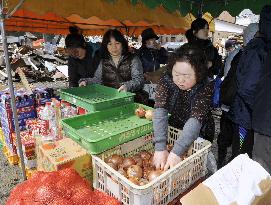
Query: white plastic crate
(160, 191)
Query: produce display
(64, 187)
(127, 127)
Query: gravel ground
(10, 176)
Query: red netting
(65, 187)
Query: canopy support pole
(15, 8)
(11, 89)
(200, 10)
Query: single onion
(138, 159)
(149, 114)
(146, 171)
(114, 166)
(134, 180)
(127, 162)
(146, 163)
(122, 172)
(154, 174)
(135, 171)
(140, 112)
(145, 155)
(115, 159)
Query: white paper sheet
(238, 181)
(63, 69)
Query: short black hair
(118, 36)
(74, 39)
(196, 25)
(193, 55)
(199, 24)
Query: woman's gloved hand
(172, 161)
(123, 88)
(160, 159)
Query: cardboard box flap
(201, 195)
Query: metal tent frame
(3, 16)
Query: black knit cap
(148, 34)
(74, 39)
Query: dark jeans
(262, 151)
(208, 129)
(242, 142)
(224, 139)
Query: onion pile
(127, 162)
(141, 113)
(138, 169)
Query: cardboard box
(203, 195)
(28, 142)
(22, 100)
(23, 113)
(64, 153)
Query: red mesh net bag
(64, 187)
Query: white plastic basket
(161, 190)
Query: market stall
(110, 147)
(159, 17)
(91, 135)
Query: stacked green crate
(103, 130)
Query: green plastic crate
(101, 131)
(96, 97)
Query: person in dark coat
(224, 139)
(151, 53)
(80, 62)
(248, 75)
(198, 35)
(261, 114)
(184, 92)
